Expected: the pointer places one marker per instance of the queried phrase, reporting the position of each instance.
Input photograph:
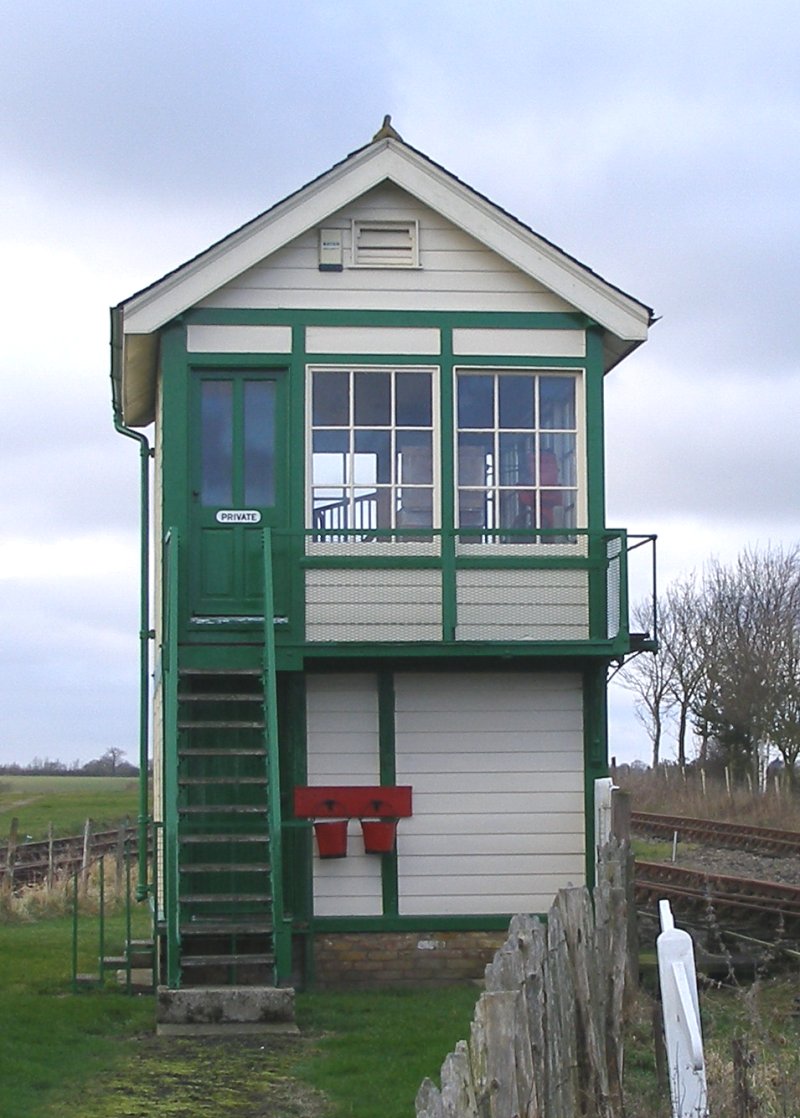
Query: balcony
(547, 591)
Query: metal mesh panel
(522, 605)
(613, 576)
(373, 605)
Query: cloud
(658, 144)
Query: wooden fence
(54, 859)
(546, 1038)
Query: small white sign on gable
(238, 516)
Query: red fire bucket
(379, 835)
(331, 837)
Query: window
(385, 244)
(517, 454)
(237, 442)
(371, 450)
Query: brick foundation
(359, 960)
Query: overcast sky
(658, 143)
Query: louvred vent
(387, 244)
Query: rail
(750, 901)
(735, 836)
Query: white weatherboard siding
(373, 605)
(496, 765)
(342, 728)
(456, 271)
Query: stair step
(87, 980)
(225, 960)
(226, 867)
(216, 926)
(222, 752)
(225, 898)
(220, 697)
(220, 726)
(220, 671)
(224, 809)
(215, 780)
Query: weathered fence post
(11, 854)
(87, 849)
(50, 856)
(546, 1038)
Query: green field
(66, 802)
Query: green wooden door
(239, 487)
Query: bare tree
(682, 611)
(728, 661)
(749, 638)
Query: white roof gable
(387, 157)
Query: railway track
(735, 836)
(30, 862)
(740, 901)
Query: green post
(170, 760)
(102, 903)
(128, 947)
(75, 933)
(281, 932)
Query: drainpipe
(145, 633)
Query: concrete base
(217, 1010)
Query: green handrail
(281, 929)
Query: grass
(361, 1054)
(66, 802)
(95, 1055)
(51, 1043)
(375, 1047)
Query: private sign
(238, 516)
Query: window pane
(557, 403)
(372, 462)
(216, 456)
(331, 399)
(472, 509)
(415, 508)
(329, 457)
(558, 463)
(517, 464)
(415, 460)
(516, 401)
(475, 459)
(475, 401)
(517, 509)
(259, 442)
(413, 399)
(373, 399)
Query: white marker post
(682, 1030)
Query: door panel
(239, 480)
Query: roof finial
(386, 132)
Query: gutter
(145, 633)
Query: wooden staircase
(224, 891)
